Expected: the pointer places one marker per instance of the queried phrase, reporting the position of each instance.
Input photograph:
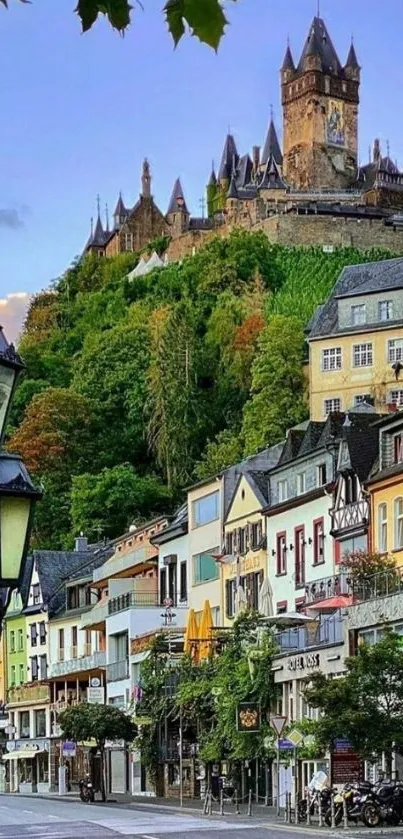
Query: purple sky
(79, 113)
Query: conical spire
(272, 145)
(120, 209)
(98, 238)
(288, 63)
(271, 178)
(229, 154)
(232, 192)
(177, 202)
(213, 177)
(319, 44)
(352, 60)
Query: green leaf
(205, 18)
(174, 11)
(117, 12)
(88, 11)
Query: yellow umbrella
(205, 632)
(191, 634)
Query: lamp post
(17, 492)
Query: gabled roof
(292, 445)
(362, 439)
(229, 158)
(272, 146)
(232, 191)
(244, 171)
(354, 280)
(54, 568)
(120, 209)
(319, 43)
(271, 178)
(176, 205)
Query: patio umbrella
(205, 632)
(266, 598)
(191, 635)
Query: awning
(287, 619)
(341, 601)
(23, 754)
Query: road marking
(147, 836)
(53, 817)
(30, 812)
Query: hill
(135, 389)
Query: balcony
(27, 694)
(95, 619)
(76, 665)
(118, 670)
(351, 516)
(133, 598)
(383, 584)
(317, 634)
(118, 564)
(328, 587)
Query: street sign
(9, 730)
(96, 696)
(69, 748)
(285, 744)
(295, 737)
(277, 722)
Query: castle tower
(120, 213)
(320, 114)
(272, 145)
(211, 193)
(178, 213)
(229, 161)
(146, 180)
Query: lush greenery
(205, 20)
(99, 723)
(366, 705)
(135, 389)
(207, 694)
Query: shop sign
(69, 748)
(248, 717)
(95, 696)
(304, 662)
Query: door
(118, 771)
(286, 782)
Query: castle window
(395, 350)
(362, 355)
(385, 310)
(331, 405)
(344, 87)
(358, 314)
(327, 85)
(128, 241)
(331, 359)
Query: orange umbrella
(191, 635)
(205, 632)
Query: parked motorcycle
(318, 791)
(353, 795)
(86, 790)
(383, 804)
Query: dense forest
(134, 389)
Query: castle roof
(272, 146)
(352, 58)
(213, 178)
(271, 178)
(120, 209)
(319, 43)
(288, 63)
(232, 192)
(244, 171)
(177, 202)
(229, 156)
(99, 236)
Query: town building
(356, 341)
(385, 488)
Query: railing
(62, 704)
(318, 634)
(328, 587)
(27, 693)
(351, 515)
(73, 652)
(123, 562)
(60, 655)
(117, 670)
(133, 598)
(75, 665)
(383, 584)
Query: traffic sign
(295, 737)
(278, 722)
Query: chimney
(81, 543)
(256, 158)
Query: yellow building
(386, 490)
(245, 540)
(356, 341)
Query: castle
(293, 193)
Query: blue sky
(79, 112)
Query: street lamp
(17, 492)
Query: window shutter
(236, 540)
(163, 584)
(227, 543)
(228, 604)
(248, 540)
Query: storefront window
(26, 771)
(43, 767)
(40, 723)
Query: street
(26, 818)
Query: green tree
(220, 453)
(205, 20)
(366, 705)
(105, 504)
(278, 394)
(100, 723)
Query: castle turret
(272, 145)
(120, 213)
(211, 193)
(229, 161)
(98, 237)
(146, 180)
(320, 114)
(178, 213)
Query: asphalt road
(36, 818)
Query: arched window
(398, 523)
(382, 528)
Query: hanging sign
(248, 717)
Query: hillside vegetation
(135, 389)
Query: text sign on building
(69, 748)
(96, 696)
(304, 662)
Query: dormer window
(36, 594)
(385, 310)
(358, 314)
(398, 448)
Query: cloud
(13, 309)
(11, 218)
